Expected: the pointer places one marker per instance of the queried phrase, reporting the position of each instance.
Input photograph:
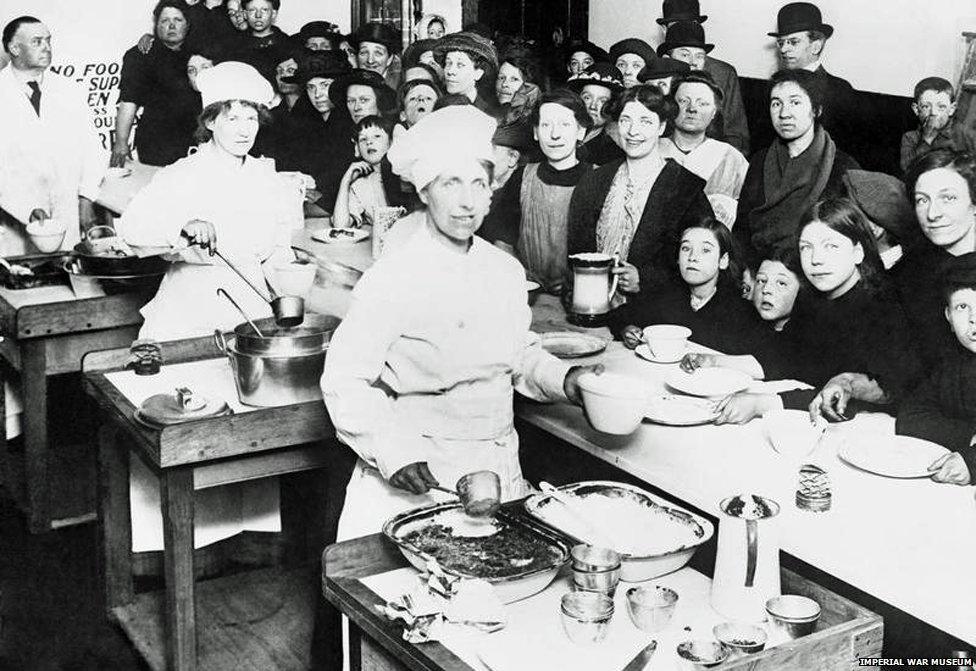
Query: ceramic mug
(667, 342)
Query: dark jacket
(259, 52)
(736, 128)
(322, 149)
(918, 281)
(943, 408)
(600, 150)
(727, 322)
(676, 200)
(862, 331)
(844, 115)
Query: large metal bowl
(634, 568)
(510, 588)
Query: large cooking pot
(99, 254)
(283, 368)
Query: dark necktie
(35, 96)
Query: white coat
(46, 161)
(246, 203)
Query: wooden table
(263, 442)
(45, 332)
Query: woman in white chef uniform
(218, 197)
(419, 376)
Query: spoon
(221, 292)
(571, 504)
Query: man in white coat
(51, 161)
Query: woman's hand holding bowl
(571, 383)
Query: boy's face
(261, 16)
(934, 108)
(419, 101)
(961, 313)
(372, 144)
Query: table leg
(6, 479)
(114, 517)
(176, 490)
(36, 459)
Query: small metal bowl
(650, 608)
(741, 637)
(605, 581)
(586, 616)
(594, 558)
(701, 654)
(793, 615)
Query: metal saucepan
(288, 310)
(313, 335)
(103, 253)
(479, 492)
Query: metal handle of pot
(88, 233)
(220, 341)
(752, 550)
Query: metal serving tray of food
(518, 557)
(670, 534)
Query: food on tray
(637, 526)
(509, 551)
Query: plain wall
(878, 45)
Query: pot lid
(180, 406)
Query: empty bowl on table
(667, 342)
(586, 616)
(47, 235)
(294, 279)
(791, 433)
(614, 403)
(702, 654)
(793, 615)
(651, 607)
(741, 637)
(595, 569)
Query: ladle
(221, 292)
(288, 310)
(480, 493)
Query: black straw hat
(663, 67)
(681, 10)
(377, 32)
(598, 74)
(385, 96)
(797, 17)
(596, 53)
(325, 64)
(635, 46)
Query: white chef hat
(232, 80)
(441, 139)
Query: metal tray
(634, 568)
(510, 588)
(48, 271)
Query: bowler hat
(635, 46)
(598, 74)
(684, 34)
(377, 32)
(662, 67)
(797, 17)
(681, 10)
(325, 64)
(385, 96)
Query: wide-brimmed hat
(684, 34)
(797, 17)
(681, 10)
(663, 67)
(385, 96)
(598, 74)
(325, 64)
(632, 45)
(324, 29)
(377, 32)
(596, 53)
(470, 43)
(412, 54)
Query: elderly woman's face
(696, 107)
(194, 66)
(508, 83)
(235, 129)
(460, 73)
(595, 97)
(457, 201)
(775, 291)
(373, 56)
(944, 208)
(630, 65)
(640, 129)
(171, 27)
(829, 258)
(317, 90)
(791, 111)
(579, 61)
(361, 101)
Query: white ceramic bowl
(47, 235)
(667, 342)
(295, 279)
(791, 433)
(614, 403)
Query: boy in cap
(943, 408)
(934, 103)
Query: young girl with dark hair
(709, 302)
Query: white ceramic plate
(644, 352)
(569, 345)
(680, 410)
(340, 236)
(709, 382)
(891, 456)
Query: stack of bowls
(595, 569)
(586, 616)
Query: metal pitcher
(747, 561)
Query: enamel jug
(747, 561)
